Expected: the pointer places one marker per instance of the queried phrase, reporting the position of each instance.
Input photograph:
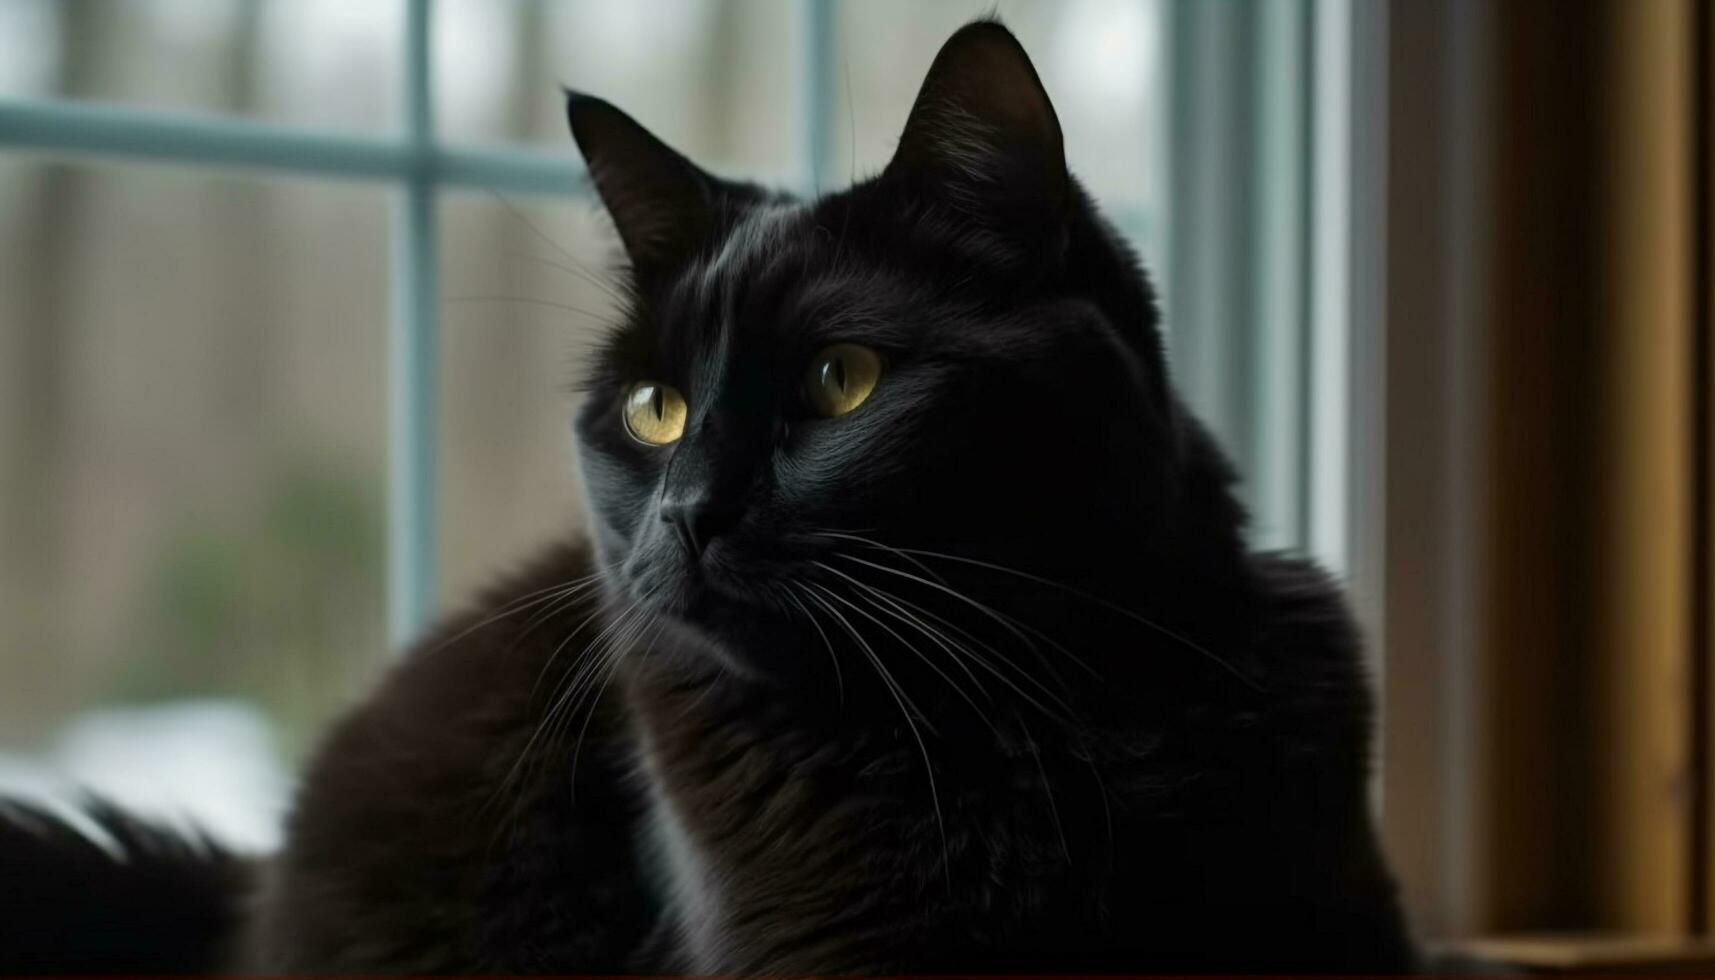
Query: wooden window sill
(1605, 953)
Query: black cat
(915, 632)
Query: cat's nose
(696, 519)
(708, 480)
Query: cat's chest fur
(773, 848)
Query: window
(299, 285)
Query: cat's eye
(841, 378)
(655, 413)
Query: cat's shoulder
(391, 838)
(1312, 654)
(464, 691)
(1303, 600)
(473, 673)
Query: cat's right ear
(983, 138)
(662, 204)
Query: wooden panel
(1418, 790)
(1536, 645)
(1702, 179)
(1643, 838)
(1590, 690)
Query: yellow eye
(654, 413)
(840, 378)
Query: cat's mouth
(691, 588)
(726, 593)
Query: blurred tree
(274, 608)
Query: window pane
(307, 62)
(1100, 60)
(520, 312)
(724, 81)
(192, 403)
(719, 81)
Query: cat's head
(817, 415)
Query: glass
(526, 295)
(192, 456)
(324, 63)
(718, 81)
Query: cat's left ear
(983, 134)
(662, 204)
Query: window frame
(420, 168)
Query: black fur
(144, 900)
(977, 678)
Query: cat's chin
(734, 630)
(697, 604)
(725, 604)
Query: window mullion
(817, 87)
(414, 362)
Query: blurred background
(195, 361)
(293, 294)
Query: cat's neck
(762, 820)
